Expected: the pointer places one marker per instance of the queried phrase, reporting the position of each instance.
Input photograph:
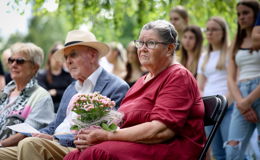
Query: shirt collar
(89, 83)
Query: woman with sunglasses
(23, 100)
(163, 110)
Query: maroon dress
(173, 98)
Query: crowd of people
(157, 81)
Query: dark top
(59, 82)
(8, 77)
(257, 23)
(1, 69)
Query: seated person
(163, 110)
(82, 52)
(23, 100)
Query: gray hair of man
(165, 29)
(34, 52)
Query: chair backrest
(215, 109)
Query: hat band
(72, 42)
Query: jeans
(220, 136)
(240, 129)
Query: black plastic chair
(215, 109)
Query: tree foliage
(118, 20)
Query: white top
(87, 87)
(103, 62)
(216, 82)
(248, 64)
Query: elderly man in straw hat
(82, 52)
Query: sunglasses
(18, 61)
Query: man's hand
(42, 135)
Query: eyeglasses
(207, 30)
(19, 61)
(148, 44)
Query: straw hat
(83, 38)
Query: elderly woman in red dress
(163, 111)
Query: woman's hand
(42, 135)
(245, 108)
(243, 105)
(88, 137)
(251, 115)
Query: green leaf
(105, 126)
(75, 127)
(111, 127)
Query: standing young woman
(133, 65)
(115, 61)
(212, 77)
(54, 78)
(244, 82)
(179, 18)
(191, 48)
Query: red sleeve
(175, 100)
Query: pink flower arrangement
(94, 109)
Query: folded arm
(147, 133)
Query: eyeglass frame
(147, 43)
(19, 61)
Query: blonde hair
(221, 64)
(34, 52)
(120, 64)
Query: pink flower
(92, 110)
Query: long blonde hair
(221, 64)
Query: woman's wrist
(111, 135)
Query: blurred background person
(212, 77)
(6, 54)
(191, 48)
(54, 78)
(2, 77)
(244, 83)
(179, 17)
(115, 61)
(23, 100)
(133, 66)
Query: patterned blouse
(33, 106)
